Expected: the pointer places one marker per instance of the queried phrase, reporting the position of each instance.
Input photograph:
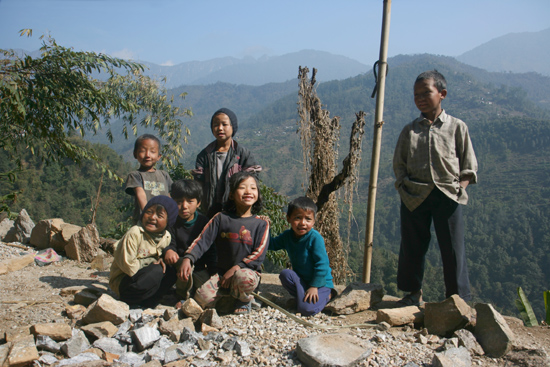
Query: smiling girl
(241, 239)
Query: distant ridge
(255, 72)
(516, 52)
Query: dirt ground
(31, 295)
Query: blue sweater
(308, 256)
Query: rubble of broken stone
(103, 331)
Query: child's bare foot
(242, 308)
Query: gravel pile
(32, 295)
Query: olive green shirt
(433, 155)
(135, 250)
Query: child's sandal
(242, 308)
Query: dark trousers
(415, 240)
(147, 286)
(296, 287)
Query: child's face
(427, 98)
(301, 221)
(147, 154)
(187, 208)
(246, 193)
(222, 128)
(154, 219)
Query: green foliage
(68, 190)
(178, 172)
(44, 101)
(274, 205)
(525, 309)
(546, 295)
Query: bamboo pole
(377, 138)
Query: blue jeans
(446, 215)
(296, 287)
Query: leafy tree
(46, 100)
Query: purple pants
(297, 289)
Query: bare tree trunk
(320, 135)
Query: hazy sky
(172, 31)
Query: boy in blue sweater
(310, 279)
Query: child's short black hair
(143, 137)
(304, 203)
(189, 189)
(438, 78)
(234, 182)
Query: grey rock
(467, 340)
(44, 342)
(356, 297)
(175, 353)
(135, 315)
(189, 336)
(229, 344)
(111, 345)
(21, 229)
(145, 337)
(242, 348)
(132, 359)
(77, 344)
(123, 333)
(48, 359)
(80, 358)
(146, 318)
(163, 342)
(443, 318)
(153, 363)
(492, 331)
(156, 353)
(454, 357)
(332, 350)
(215, 337)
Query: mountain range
(515, 52)
(250, 71)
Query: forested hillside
(69, 191)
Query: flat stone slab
(332, 350)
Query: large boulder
(83, 245)
(443, 318)
(41, 233)
(21, 230)
(492, 331)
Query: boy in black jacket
(189, 224)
